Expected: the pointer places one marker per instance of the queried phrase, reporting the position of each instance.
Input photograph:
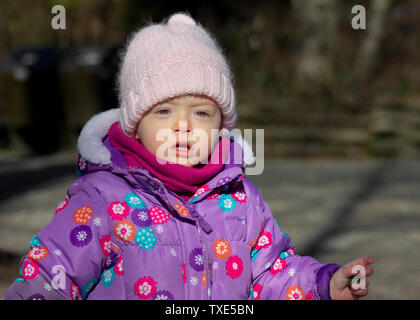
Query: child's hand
(341, 287)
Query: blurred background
(340, 109)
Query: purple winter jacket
(120, 234)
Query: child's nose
(182, 125)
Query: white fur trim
(91, 147)
(249, 158)
(90, 140)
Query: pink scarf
(183, 180)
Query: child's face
(189, 119)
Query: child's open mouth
(182, 149)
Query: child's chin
(186, 163)
(189, 162)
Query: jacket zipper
(207, 260)
(198, 221)
(208, 269)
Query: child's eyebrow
(204, 103)
(195, 104)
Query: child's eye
(163, 111)
(202, 114)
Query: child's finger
(368, 271)
(354, 267)
(360, 293)
(363, 261)
(368, 260)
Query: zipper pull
(204, 225)
(201, 221)
(210, 272)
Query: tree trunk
(318, 20)
(376, 20)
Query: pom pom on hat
(167, 60)
(181, 18)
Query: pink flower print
(118, 210)
(145, 287)
(278, 266)
(264, 241)
(106, 244)
(291, 251)
(30, 270)
(239, 196)
(62, 205)
(201, 190)
(184, 273)
(119, 267)
(158, 216)
(256, 291)
(234, 267)
(82, 164)
(309, 295)
(74, 291)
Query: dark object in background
(87, 76)
(31, 105)
(49, 93)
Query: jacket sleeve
(277, 271)
(66, 257)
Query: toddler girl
(135, 227)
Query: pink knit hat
(163, 61)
